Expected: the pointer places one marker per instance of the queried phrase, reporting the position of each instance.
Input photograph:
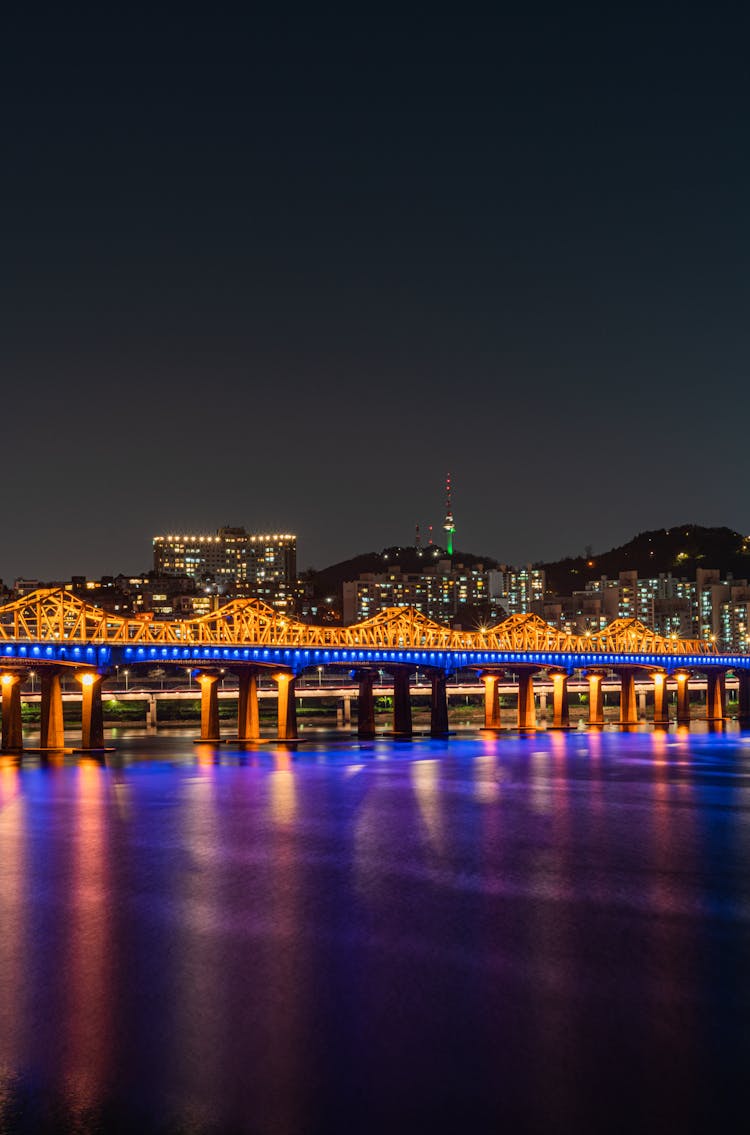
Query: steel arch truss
(54, 615)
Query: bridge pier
(402, 723)
(743, 705)
(52, 727)
(715, 695)
(365, 704)
(491, 701)
(12, 727)
(596, 700)
(209, 686)
(628, 708)
(661, 709)
(683, 698)
(287, 707)
(438, 705)
(92, 716)
(560, 706)
(526, 707)
(248, 715)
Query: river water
(525, 933)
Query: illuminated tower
(448, 524)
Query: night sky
(289, 277)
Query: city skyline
(135, 565)
(681, 583)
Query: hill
(679, 550)
(328, 581)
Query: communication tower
(448, 524)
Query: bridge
(53, 631)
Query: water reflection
(13, 925)
(500, 932)
(669, 956)
(550, 931)
(487, 778)
(541, 787)
(198, 1008)
(282, 788)
(87, 1044)
(284, 960)
(427, 789)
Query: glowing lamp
(6, 679)
(87, 679)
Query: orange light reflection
(87, 1054)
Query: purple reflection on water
(549, 930)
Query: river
(526, 933)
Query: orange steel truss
(54, 615)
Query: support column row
(526, 714)
(402, 716)
(52, 729)
(248, 726)
(248, 716)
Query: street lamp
(320, 676)
(32, 675)
(126, 673)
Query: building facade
(447, 592)
(707, 607)
(517, 589)
(234, 563)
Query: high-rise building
(234, 563)
(444, 592)
(707, 607)
(734, 621)
(517, 588)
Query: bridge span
(52, 632)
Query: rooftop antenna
(417, 537)
(448, 523)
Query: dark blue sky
(289, 277)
